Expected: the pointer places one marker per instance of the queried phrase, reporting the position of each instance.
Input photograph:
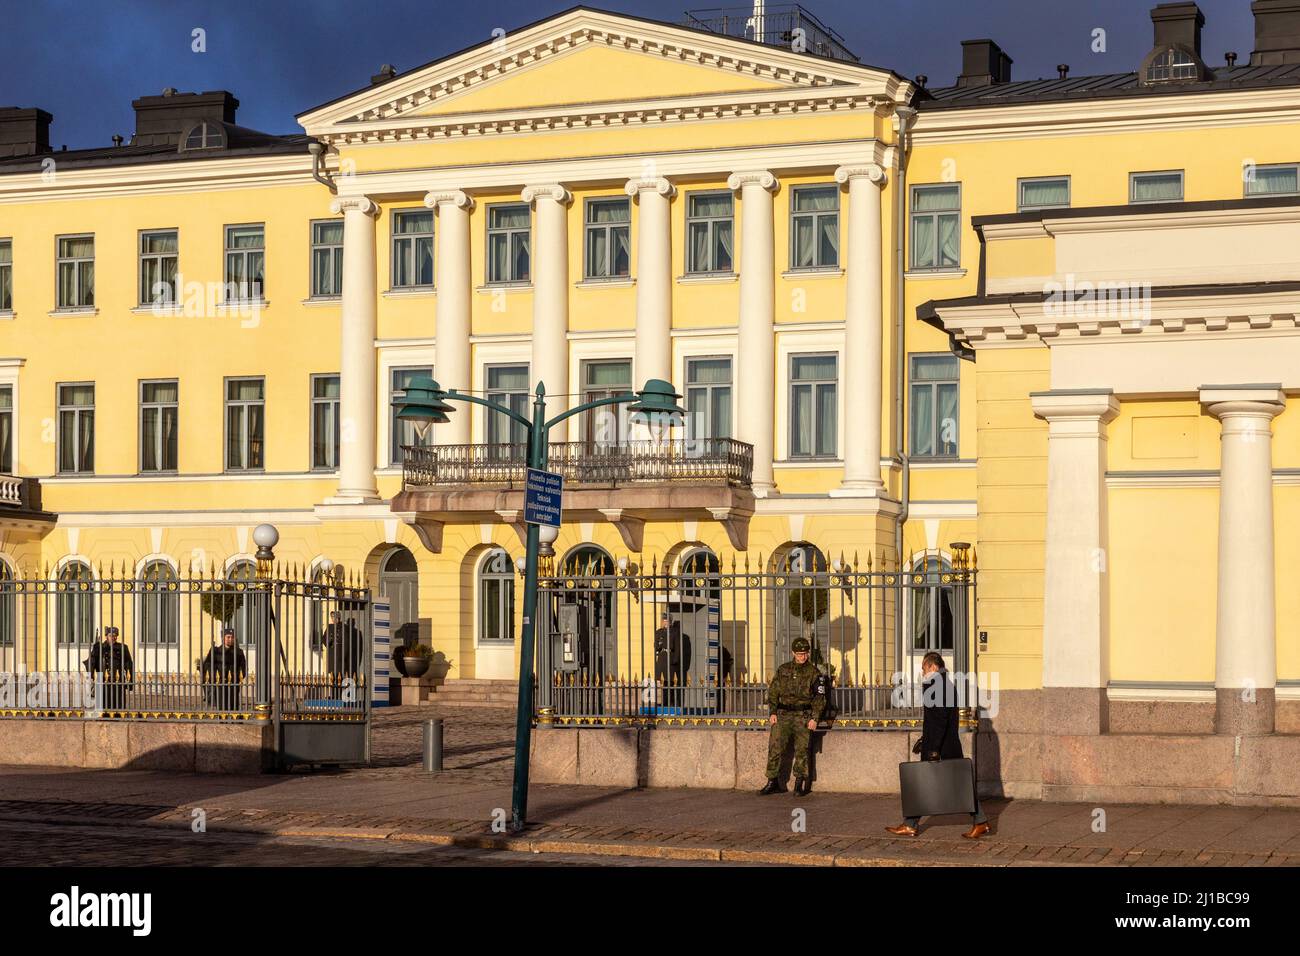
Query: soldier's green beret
(800, 644)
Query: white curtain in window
(923, 242)
(922, 420)
(722, 252)
(1160, 188)
(1274, 180)
(948, 240)
(1047, 192)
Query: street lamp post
(425, 403)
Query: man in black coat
(222, 671)
(112, 659)
(672, 659)
(940, 722)
(343, 647)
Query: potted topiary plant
(414, 661)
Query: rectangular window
(814, 381)
(709, 227)
(6, 429)
(708, 397)
(76, 439)
(608, 239)
(1048, 192)
(403, 432)
(1282, 180)
(76, 267)
(158, 267)
(1156, 187)
(413, 249)
(245, 262)
(815, 227)
(327, 259)
(325, 422)
(605, 379)
(508, 252)
(159, 416)
(6, 275)
(934, 384)
(506, 385)
(245, 424)
(936, 226)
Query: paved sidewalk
(396, 800)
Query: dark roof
(1105, 86)
(241, 142)
(829, 60)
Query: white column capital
(872, 172)
(1070, 405)
(1226, 402)
(451, 197)
(760, 176)
(354, 204)
(552, 191)
(656, 184)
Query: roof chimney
(1277, 32)
(24, 132)
(160, 120)
(983, 63)
(1178, 24)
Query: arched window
(696, 564)
(1171, 64)
(75, 604)
(204, 136)
(160, 607)
(8, 606)
(496, 598)
(933, 608)
(804, 601)
(243, 620)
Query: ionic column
(550, 292)
(358, 378)
(654, 279)
(862, 331)
(1076, 647)
(1245, 654)
(454, 294)
(756, 338)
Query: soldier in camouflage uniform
(795, 708)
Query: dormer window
(1171, 65)
(204, 136)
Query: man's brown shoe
(977, 831)
(902, 830)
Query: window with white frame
(934, 397)
(6, 429)
(605, 378)
(159, 255)
(508, 243)
(325, 422)
(160, 604)
(402, 430)
(245, 424)
(708, 397)
(506, 385)
(1277, 180)
(1156, 187)
(245, 262)
(76, 269)
(710, 225)
(815, 227)
(936, 226)
(1042, 192)
(74, 609)
(6, 275)
(327, 258)
(814, 385)
(496, 599)
(608, 239)
(413, 249)
(76, 438)
(159, 421)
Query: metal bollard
(433, 744)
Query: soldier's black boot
(801, 786)
(773, 786)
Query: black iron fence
(239, 645)
(785, 25)
(711, 460)
(698, 646)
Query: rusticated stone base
(1075, 710)
(136, 745)
(1237, 716)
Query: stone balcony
(627, 484)
(20, 506)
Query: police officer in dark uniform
(114, 661)
(795, 707)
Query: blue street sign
(542, 497)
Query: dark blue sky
(85, 60)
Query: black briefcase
(934, 787)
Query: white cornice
(1139, 220)
(1126, 114)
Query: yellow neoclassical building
(1052, 320)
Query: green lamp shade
(655, 401)
(423, 402)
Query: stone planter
(413, 666)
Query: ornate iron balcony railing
(786, 25)
(703, 460)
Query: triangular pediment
(583, 62)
